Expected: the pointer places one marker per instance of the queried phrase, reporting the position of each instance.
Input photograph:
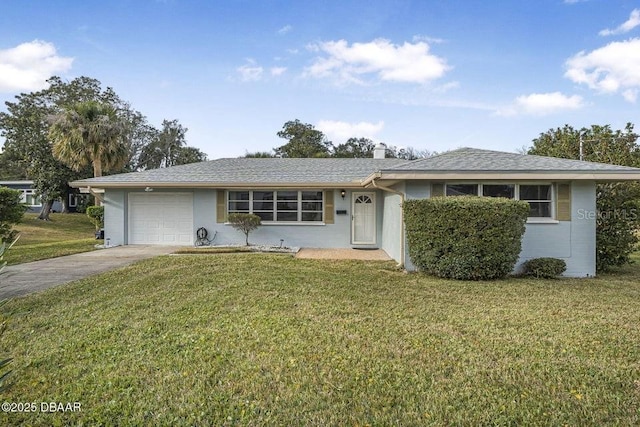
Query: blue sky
(433, 75)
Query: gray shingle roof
(473, 159)
(255, 171)
(343, 172)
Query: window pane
(287, 195)
(499, 190)
(239, 206)
(540, 209)
(288, 206)
(262, 195)
(238, 195)
(535, 192)
(462, 189)
(287, 216)
(265, 216)
(312, 206)
(312, 195)
(262, 206)
(312, 216)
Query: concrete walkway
(23, 279)
(328, 253)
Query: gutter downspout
(402, 199)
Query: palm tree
(89, 133)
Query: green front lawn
(255, 339)
(65, 234)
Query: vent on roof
(379, 151)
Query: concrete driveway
(23, 279)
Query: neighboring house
(355, 203)
(33, 201)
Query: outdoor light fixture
(148, 189)
(342, 193)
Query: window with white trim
(278, 206)
(462, 190)
(30, 198)
(499, 190)
(539, 196)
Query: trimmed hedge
(11, 212)
(544, 268)
(465, 238)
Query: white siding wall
(204, 211)
(337, 235)
(392, 223)
(114, 217)
(573, 241)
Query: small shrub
(11, 212)
(466, 238)
(245, 223)
(96, 214)
(544, 268)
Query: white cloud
(407, 63)
(446, 87)
(278, 71)
(630, 95)
(27, 66)
(625, 27)
(339, 132)
(609, 69)
(284, 30)
(432, 40)
(540, 104)
(250, 72)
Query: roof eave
(151, 184)
(512, 175)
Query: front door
(363, 219)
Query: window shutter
(221, 206)
(328, 207)
(563, 202)
(437, 189)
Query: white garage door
(161, 218)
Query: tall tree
(138, 134)
(10, 168)
(407, 153)
(304, 141)
(355, 147)
(164, 149)
(188, 155)
(618, 204)
(89, 133)
(25, 129)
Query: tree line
(304, 140)
(74, 130)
